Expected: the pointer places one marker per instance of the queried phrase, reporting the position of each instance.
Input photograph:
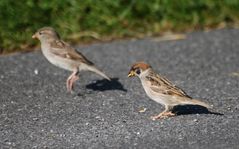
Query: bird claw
(163, 115)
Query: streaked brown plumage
(162, 90)
(64, 56)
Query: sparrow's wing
(164, 86)
(64, 50)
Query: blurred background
(87, 21)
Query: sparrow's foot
(163, 115)
(70, 81)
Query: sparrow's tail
(197, 102)
(94, 69)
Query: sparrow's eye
(40, 33)
(137, 71)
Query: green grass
(86, 20)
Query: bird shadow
(192, 109)
(103, 85)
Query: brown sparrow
(162, 90)
(63, 55)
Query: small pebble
(195, 120)
(62, 135)
(36, 72)
(35, 119)
(8, 143)
(142, 110)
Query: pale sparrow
(64, 56)
(162, 90)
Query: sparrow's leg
(165, 114)
(68, 82)
(71, 79)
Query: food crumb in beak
(34, 36)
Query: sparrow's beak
(34, 36)
(131, 74)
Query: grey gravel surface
(37, 112)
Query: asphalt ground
(37, 112)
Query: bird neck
(145, 73)
(48, 40)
